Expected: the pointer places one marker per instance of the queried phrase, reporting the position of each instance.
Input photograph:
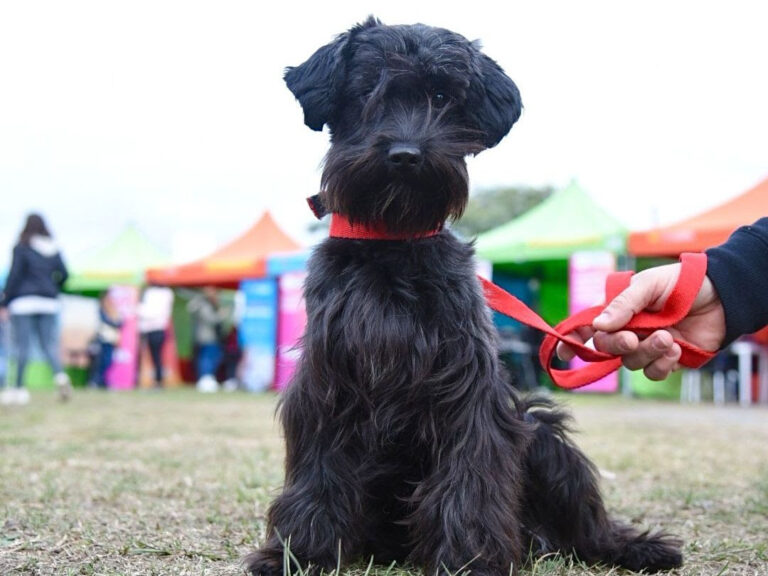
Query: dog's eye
(439, 99)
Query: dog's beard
(359, 183)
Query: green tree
(493, 207)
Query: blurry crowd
(216, 352)
(29, 320)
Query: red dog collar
(341, 227)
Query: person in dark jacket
(108, 336)
(732, 302)
(30, 297)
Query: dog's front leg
(316, 522)
(466, 515)
(309, 527)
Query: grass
(176, 483)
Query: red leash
(693, 269)
(692, 272)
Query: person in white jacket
(154, 313)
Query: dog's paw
(274, 562)
(653, 553)
(264, 562)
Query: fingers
(657, 355)
(616, 343)
(565, 352)
(669, 361)
(649, 350)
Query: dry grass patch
(176, 483)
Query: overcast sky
(173, 114)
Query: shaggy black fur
(405, 439)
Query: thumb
(618, 312)
(648, 289)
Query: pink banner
(122, 373)
(587, 272)
(291, 321)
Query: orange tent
(708, 229)
(244, 257)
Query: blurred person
(154, 317)
(31, 293)
(208, 317)
(732, 302)
(92, 351)
(232, 355)
(5, 346)
(108, 336)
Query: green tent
(566, 222)
(537, 245)
(121, 262)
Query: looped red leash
(692, 272)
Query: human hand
(656, 354)
(4, 315)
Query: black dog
(405, 439)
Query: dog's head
(405, 105)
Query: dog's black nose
(405, 155)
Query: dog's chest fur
(389, 319)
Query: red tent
(244, 257)
(708, 229)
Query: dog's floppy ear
(493, 101)
(314, 82)
(317, 82)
